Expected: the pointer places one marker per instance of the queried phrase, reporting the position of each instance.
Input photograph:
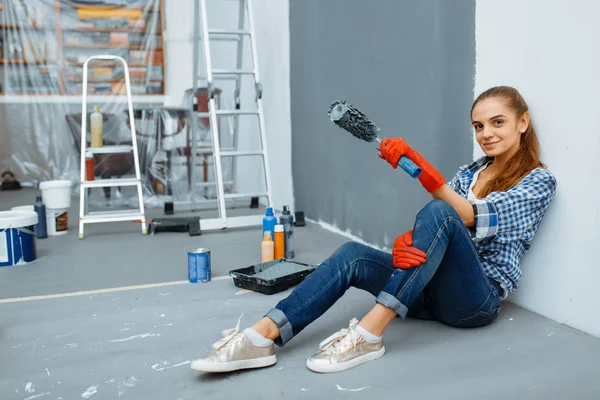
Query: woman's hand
(405, 255)
(393, 149)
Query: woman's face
(497, 129)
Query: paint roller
(360, 126)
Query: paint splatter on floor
(351, 390)
(143, 335)
(165, 365)
(89, 392)
(127, 383)
(37, 396)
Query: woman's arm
(463, 207)
(430, 178)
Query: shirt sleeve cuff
(486, 219)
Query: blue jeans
(450, 287)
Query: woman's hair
(527, 158)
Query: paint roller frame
(350, 119)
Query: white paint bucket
(17, 237)
(57, 221)
(56, 195)
(23, 208)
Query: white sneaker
(344, 350)
(235, 351)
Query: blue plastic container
(17, 237)
(269, 222)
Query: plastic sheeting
(44, 44)
(164, 139)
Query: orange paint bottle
(267, 247)
(279, 242)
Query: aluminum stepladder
(245, 9)
(118, 215)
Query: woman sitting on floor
(455, 266)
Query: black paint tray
(271, 277)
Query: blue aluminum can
(199, 265)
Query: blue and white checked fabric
(505, 222)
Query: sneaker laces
(339, 341)
(228, 336)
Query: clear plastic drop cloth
(44, 45)
(164, 140)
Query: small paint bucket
(17, 237)
(56, 195)
(57, 221)
(199, 269)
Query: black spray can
(40, 208)
(287, 220)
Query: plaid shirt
(505, 222)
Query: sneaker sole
(315, 367)
(234, 365)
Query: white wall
(549, 51)
(272, 36)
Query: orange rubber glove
(393, 149)
(404, 254)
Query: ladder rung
(113, 216)
(110, 149)
(221, 78)
(224, 38)
(244, 195)
(110, 182)
(241, 153)
(233, 71)
(237, 112)
(228, 32)
(229, 112)
(209, 150)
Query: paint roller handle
(407, 165)
(410, 167)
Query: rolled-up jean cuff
(389, 301)
(285, 328)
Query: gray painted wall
(409, 65)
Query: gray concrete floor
(138, 343)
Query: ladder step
(244, 195)
(110, 183)
(221, 78)
(113, 216)
(110, 149)
(229, 112)
(242, 153)
(233, 72)
(209, 150)
(228, 32)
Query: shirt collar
(480, 162)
